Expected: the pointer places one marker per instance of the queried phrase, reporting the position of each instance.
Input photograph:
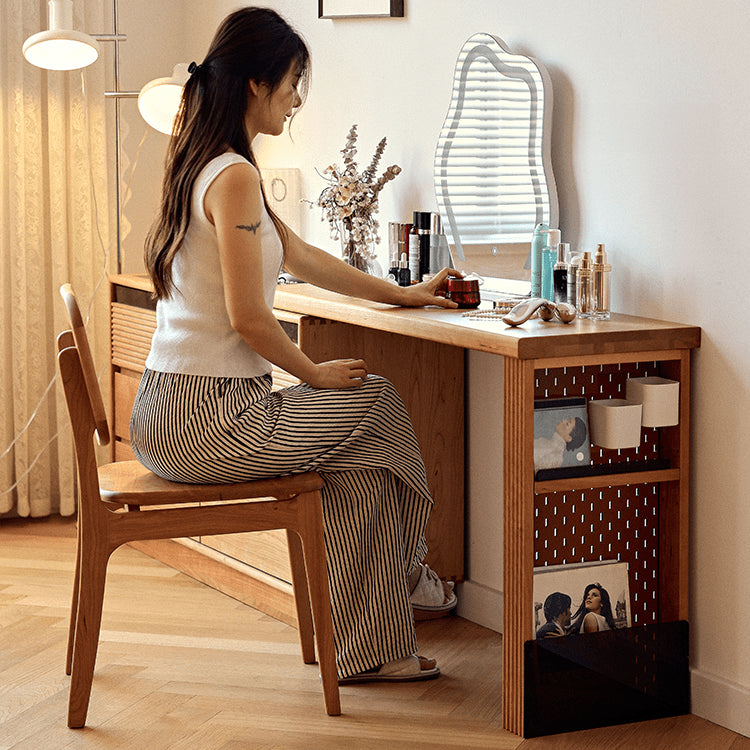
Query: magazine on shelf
(561, 434)
(561, 593)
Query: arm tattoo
(250, 228)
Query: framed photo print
(581, 598)
(360, 8)
(561, 434)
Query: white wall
(650, 153)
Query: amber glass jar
(464, 292)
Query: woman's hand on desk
(339, 373)
(431, 292)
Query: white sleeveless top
(193, 333)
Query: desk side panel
(430, 379)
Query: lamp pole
(117, 95)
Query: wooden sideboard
(422, 351)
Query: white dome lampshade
(159, 99)
(60, 48)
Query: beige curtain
(54, 227)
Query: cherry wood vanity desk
(637, 513)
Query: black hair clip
(193, 68)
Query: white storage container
(660, 398)
(615, 423)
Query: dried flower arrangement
(351, 200)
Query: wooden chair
(113, 510)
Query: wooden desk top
(535, 339)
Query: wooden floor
(183, 666)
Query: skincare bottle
(600, 271)
(537, 245)
(393, 254)
(425, 227)
(419, 245)
(414, 249)
(560, 272)
(573, 261)
(436, 232)
(584, 287)
(549, 256)
(404, 232)
(403, 275)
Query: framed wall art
(360, 8)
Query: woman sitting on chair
(205, 411)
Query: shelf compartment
(606, 523)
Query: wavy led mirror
(493, 173)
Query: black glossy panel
(599, 679)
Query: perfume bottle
(584, 287)
(600, 271)
(560, 272)
(537, 245)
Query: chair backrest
(78, 330)
(90, 510)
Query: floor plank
(182, 666)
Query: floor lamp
(61, 47)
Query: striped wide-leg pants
(200, 429)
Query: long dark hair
(250, 44)
(581, 612)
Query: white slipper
(412, 668)
(431, 594)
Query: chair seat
(130, 483)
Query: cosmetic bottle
(414, 250)
(403, 274)
(404, 232)
(436, 232)
(573, 260)
(584, 287)
(600, 271)
(560, 272)
(425, 242)
(393, 254)
(537, 245)
(419, 245)
(549, 256)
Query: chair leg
(311, 533)
(74, 603)
(93, 573)
(301, 597)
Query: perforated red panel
(613, 523)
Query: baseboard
(720, 701)
(480, 604)
(243, 582)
